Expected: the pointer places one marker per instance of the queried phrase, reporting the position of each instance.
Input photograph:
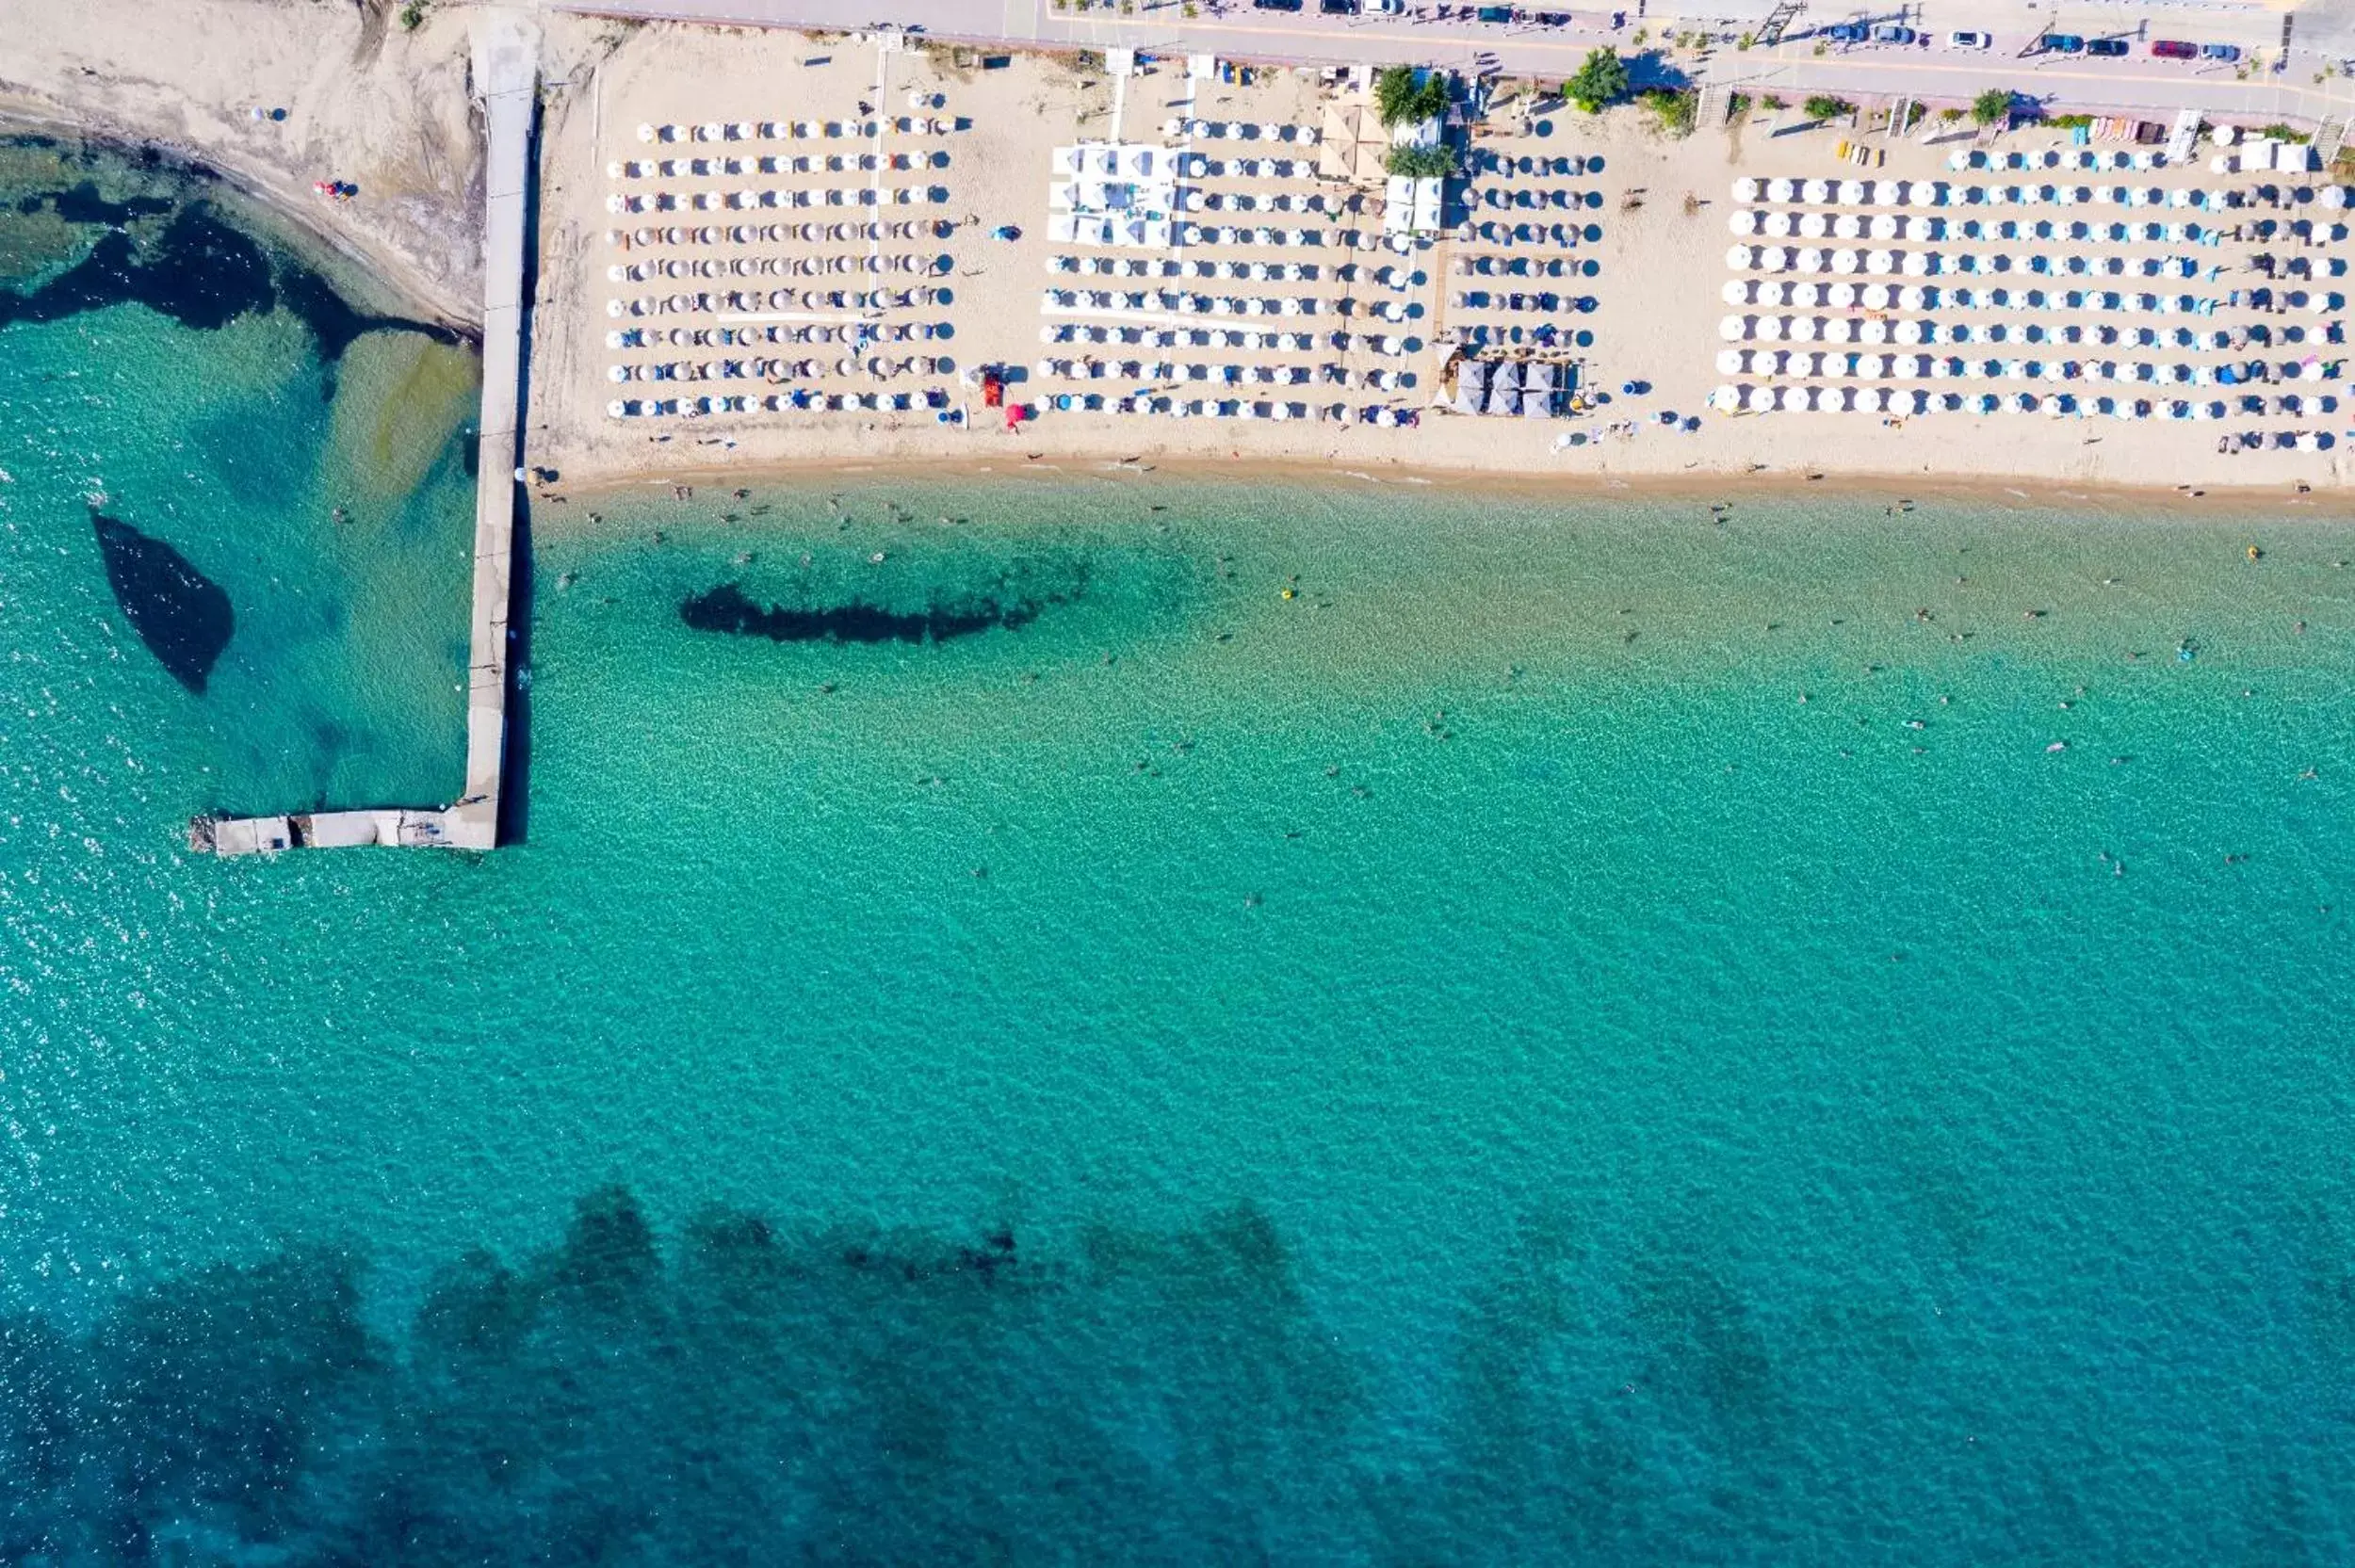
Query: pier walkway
(505, 72)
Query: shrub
(1948, 116)
(1600, 82)
(1737, 105)
(1825, 106)
(1772, 103)
(413, 16)
(1673, 110)
(1420, 163)
(1991, 107)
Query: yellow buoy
(2254, 553)
(1292, 593)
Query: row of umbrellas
(793, 130)
(1183, 304)
(774, 403)
(776, 233)
(1775, 224)
(1074, 331)
(1145, 267)
(1940, 193)
(829, 163)
(1924, 367)
(772, 266)
(1756, 399)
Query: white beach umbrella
(1874, 297)
(1745, 189)
(1816, 192)
(1782, 191)
(1839, 295)
(1805, 328)
(1736, 292)
(1881, 263)
(1742, 256)
(1771, 328)
(1874, 330)
(1845, 261)
(1851, 193)
(1908, 332)
(1920, 263)
(1888, 226)
(1812, 259)
(1734, 329)
(1911, 298)
(1778, 225)
(1731, 362)
(1814, 225)
(1743, 222)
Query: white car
(1969, 41)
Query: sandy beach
(829, 238)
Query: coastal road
(2310, 86)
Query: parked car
(2060, 43)
(2174, 49)
(1493, 13)
(1890, 32)
(1338, 7)
(1275, 5)
(2112, 47)
(1847, 32)
(1969, 41)
(2220, 51)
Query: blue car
(1847, 32)
(2220, 51)
(2061, 44)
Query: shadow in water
(183, 616)
(515, 822)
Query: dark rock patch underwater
(183, 616)
(181, 259)
(726, 608)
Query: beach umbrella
(1741, 256)
(1731, 362)
(1782, 191)
(1920, 263)
(1848, 226)
(1839, 295)
(1744, 221)
(1805, 329)
(2020, 403)
(1816, 192)
(1874, 331)
(1778, 225)
(1813, 225)
(1845, 261)
(1960, 161)
(1881, 262)
(1908, 332)
(1745, 189)
(1770, 329)
(1736, 292)
(1851, 193)
(1812, 259)
(1887, 226)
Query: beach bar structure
(506, 63)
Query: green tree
(1393, 93)
(1825, 106)
(1991, 107)
(1420, 163)
(1602, 81)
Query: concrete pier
(505, 72)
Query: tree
(1991, 107)
(1398, 99)
(1825, 106)
(1602, 81)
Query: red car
(2174, 49)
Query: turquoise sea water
(1461, 1064)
